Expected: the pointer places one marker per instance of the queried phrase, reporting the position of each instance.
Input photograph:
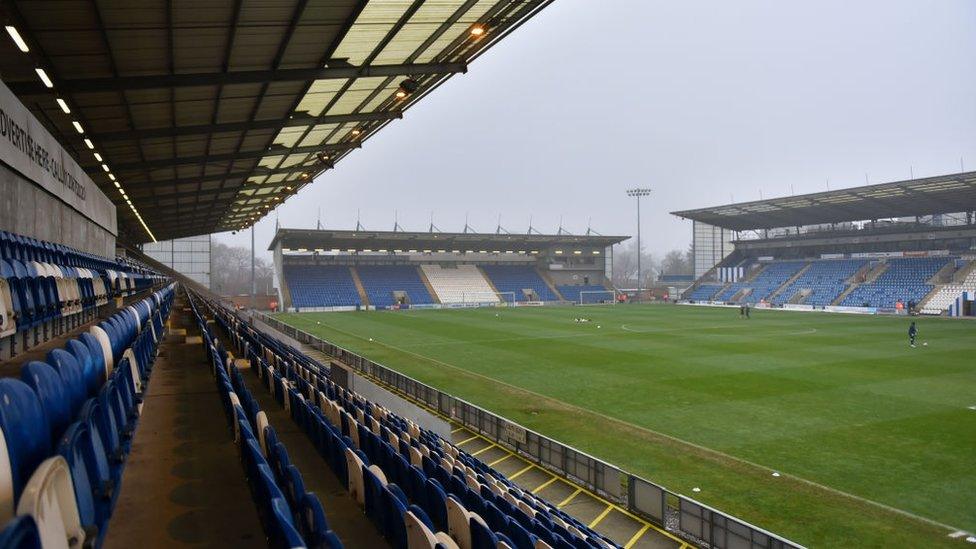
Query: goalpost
(597, 297)
(474, 299)
(507, 299)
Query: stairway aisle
(183, 484)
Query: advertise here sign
(28, 148)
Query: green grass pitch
(875, 441)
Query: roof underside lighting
(63, 105)
(44, 77)
(15, 36)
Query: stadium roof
(209, 114)
(312, 239)
(931, 195)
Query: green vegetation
(858, 423)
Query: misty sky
(704, 102)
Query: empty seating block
(321, 286)
(825, 280)
(764, 284)
(574, 293)
(948, 293)
(380, 281)
(67, 425)
(460, 284)
(417, 488)
(904, 279)
(516, 279)
(704, 292)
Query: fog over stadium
(704, 103)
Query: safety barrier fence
(674, 512)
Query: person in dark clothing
(747, 310)
(912, 334)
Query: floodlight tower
(638, 193)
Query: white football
(925, 344)
(599, 326)
(371, 339)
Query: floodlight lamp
(407, 87)
(477, 30)
(356, 131)
(323, 158)
(638, 192)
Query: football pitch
(875, 442)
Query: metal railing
(676, 513)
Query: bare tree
(233, 275)
(625, 266)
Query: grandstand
(341, 270)
(137, 408)
(892, 247)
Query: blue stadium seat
(26, 431)
(21, 533)
(321, 286)
(52, 394)
(904, 279)
(380, 281)
(574, 292)
(516, 278)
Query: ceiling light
(477, 30)
(356, 131)
(323, 158)
(117, 186)
(44, 78)
(112, 177)
(287, 188)
(63, 105)
(98, 157)
(104, 167)
(400, 94)
(12, 31)
(89, 144)
(121, 191)
(77, 126)
(305, 175)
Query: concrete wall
(27, 209)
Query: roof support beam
(149, 82)
(262, 172)
(206, 129)
(230, 157)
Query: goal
(507, 299)
(598, 297)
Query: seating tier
(380, 281)
(516, 278)
(459, 284)
(321, 286)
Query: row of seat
(381, 281)
(517, 279)
(420, 490)
(586, 293)
(291, 516)
(41, 282)
(823, 282)
(66, 428)
(904, 279)
(321, 286)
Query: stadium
(801, 376)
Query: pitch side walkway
(605, 517)
(183, 484)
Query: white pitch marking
(488, 378)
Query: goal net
(488, 298)
(598, 297)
